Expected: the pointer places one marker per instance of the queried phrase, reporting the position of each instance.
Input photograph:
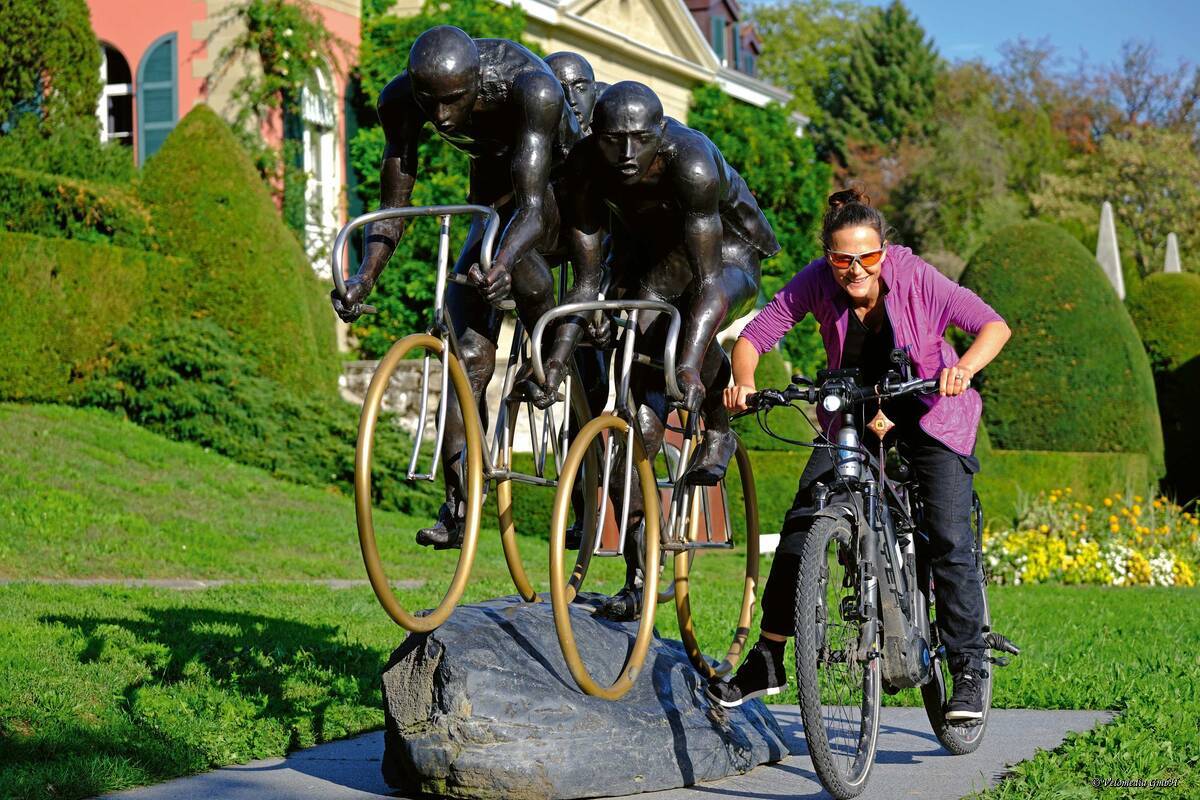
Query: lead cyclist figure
(870, 297)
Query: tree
(803, 40)
(885, 91)
(49, 61)
(1151, 176)
(404, 293)
(790, 184)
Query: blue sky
(974, 29)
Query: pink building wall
(131, 26)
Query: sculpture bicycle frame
(679, 533)
(481, 464)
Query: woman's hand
(735, 397)
(955, 380)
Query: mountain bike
(678, 518)
(865, 602)
(483, 464)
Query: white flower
(287, 54)
(287, 31)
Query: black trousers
(946, 480)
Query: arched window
(157, 96)
(115, 108)
(318, 117)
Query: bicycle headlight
(831, 403)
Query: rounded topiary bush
(1164, 308)
(250, 274)
(1074, 375)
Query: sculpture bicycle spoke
(480, 462)
(674, 524)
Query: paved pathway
(910, 763)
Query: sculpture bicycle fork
(480, 463)
(687, 513)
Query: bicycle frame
(684, 511)
(550, 435)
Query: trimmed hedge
(1164, 307)
(65, 300)
(251, 275)
(55, 206)
(186, 380)
(1074, 377)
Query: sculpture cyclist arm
(402, 126)
(540, 107)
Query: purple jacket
(920, 303)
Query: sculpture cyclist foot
(445, 534)
(712, 459)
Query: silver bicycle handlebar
(567, 309)
(490, 232)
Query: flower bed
(1124, 540)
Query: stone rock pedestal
(484, 707)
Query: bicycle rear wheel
(958, 739)
(838, 690)
(683, 566)
(473, 480)
(549, 451)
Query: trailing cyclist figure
(869, 298)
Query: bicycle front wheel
(562, 592)
(473, 475)
(838, 687)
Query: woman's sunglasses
(846, 260)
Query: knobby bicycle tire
(811, 616)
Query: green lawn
(103, 688)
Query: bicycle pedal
(998, 641)
(999, 661)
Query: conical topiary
(1074, 376)
(251, 275)
(1164, 307)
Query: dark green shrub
(1074, 376)
(64, 301)
(72, 149)
(1164, 308)
(772, 373)
(51, 205)
(251, 275)
(49, 62)
(187, 380)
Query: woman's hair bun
(852, 194)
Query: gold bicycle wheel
(362, 483)
(683, 562)
(578, 408)
(592, 432)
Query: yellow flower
(1137, 510)
(1108, 501)
(1137, 498)
(1089, 509)
(1113, 518)
(1114, 528)
(1044, 528)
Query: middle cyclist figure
(689, 233)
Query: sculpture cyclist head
(578, 82)
(444, 67)
(628, 124)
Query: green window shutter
(736, 61)
(717, 25)
(157, 96)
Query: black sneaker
(762, 673)
(966, 704)
(445, 534)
